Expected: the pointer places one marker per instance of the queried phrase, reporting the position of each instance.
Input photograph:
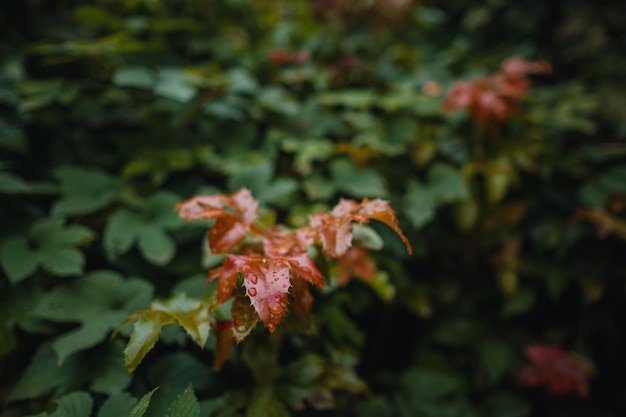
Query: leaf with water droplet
(244, 317)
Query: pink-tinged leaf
(302, 298)
(381, 210)
(234, 214)
(227, 232)
(224, 345)
(244, 317)
(562, 372)
(355, 263)
(267, 282)
(278, 242)
(334, 232)
(228, 274)
(303, 267)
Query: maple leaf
(335, 228)
(562, 372)
(267, 281)
(234, 213)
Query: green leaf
(357, 182)
(185, 405)
(18, 259)
(265, 405)
(155, 245)
(62, 262)
(496, 358)
(118, 405)
(447, 183)
(84, 191)
(121, 232)
(142, 339)
(11, 184)
(99, 302)
(76, 404)
(520, 303)
(419, 204)
(430, 385)
(139, 77)
(142, 405)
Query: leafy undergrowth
(196, 208)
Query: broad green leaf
(118, 405)
(430, 385)
(155, 245)
(62, 262)
(447, 183)
(419, 204)
(121, 232)
(100, 302)
(12, 184)
(139, 77)
(84, 191)
(506, 405)
(276, 99)
(43, 374)
(357, 182)
(76, 404)
(185, 405)
(8, 341)
(142, 405)
(308, 151)
(18, 259)
(265, 405)
(496, 357)
(109, 374)
(175, 84)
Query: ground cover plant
(312, 207)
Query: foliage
(494, 130)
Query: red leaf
(278, 242)
(224, 345)
(303, 267)
(335, 228)
(355, 263)
(302, 298)
(562, 372)
(228, 274)
(234, 213)
(267, 282)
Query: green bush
(495, 131)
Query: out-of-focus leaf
(139, 77)
(118, 405)
(84, 191)
(419, 204)
(185, 405)
(357, 183)
(265, 405)
(496, 357)
(520, 303)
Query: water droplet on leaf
(252, 292)
(254, 279)
(277, 309)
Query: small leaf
(419, 204)
(185, 405)
(76, 404)
(142, 405)
(155, 245)
(121, 232)
(496, 357)
(139, 77)
(447, 183)
(244, 317)
(117, 405)
(18, 260)
(142, 339)
(431, 385)
(520, 303)
(62, 262)
(357, 183)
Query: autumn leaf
(335, 228)
(562, 372)
(267, 281)
(355, 263)
(234, 213)
(224, 345)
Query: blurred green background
(113, 111)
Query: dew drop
(241, 328)
(277, 309)
(254, 279)
(252, 292)
(264, 261)
(271, 326)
